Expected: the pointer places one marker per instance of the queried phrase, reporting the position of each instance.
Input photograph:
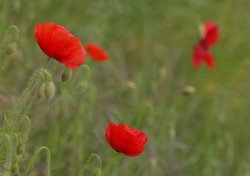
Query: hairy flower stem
(24, 103)
(32, 162)
(93, 166)
(25, 136)
(9, 155)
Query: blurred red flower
(201, 50)
(125, 139)
(211, 34)
(58, 43)
(96, 52)
(201, 53)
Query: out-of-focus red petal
(209, 59)
(96, 52)
(200, 54)
(58, 43)
(125, 139)
(211, 34)
(197, 56)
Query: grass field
(150, 45)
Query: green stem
(87, 71)
(113, 161)
(27, 129)
(9, 155)
(24, 102)
(93, 159)
(31, 164)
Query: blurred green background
(150, 44)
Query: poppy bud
(45, 74)
(20, 149)
(11, 39)
(10, 48)
(67, 74)
(50, 90)
(188, 90)
(41, 91)
(82, 86)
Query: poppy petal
(211, 35)
(58, 43)
(125, 139)
(209, 59)
(96, 52)
(198, 53)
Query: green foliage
(150, 44)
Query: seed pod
(189, 90)
(20, 149)
(50, 90)
(82, 86)
(41, 91)
(11, 39)
(67, 74)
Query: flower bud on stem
(67, 74)
(50, 90)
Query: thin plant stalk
(9, 154)
(35, 156)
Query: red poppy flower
(58, 43)
(96, 52)
(201, 50)
(125, 139)
(201, 53)
(211, 34)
